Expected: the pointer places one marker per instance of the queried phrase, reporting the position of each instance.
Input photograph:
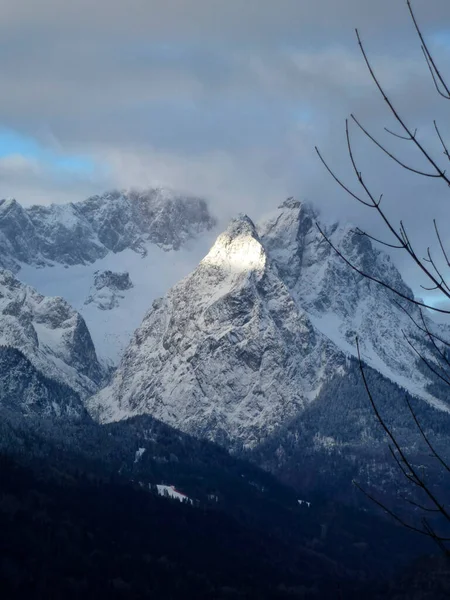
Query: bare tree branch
(428, 266)
(427, 441)
(430, 61)
(401, 235)
(397, 116)
(359, 231)
(420, 506)
(413, 472)
(394, 158)
(425, 329)
(400, 519)
(402, 137)
(427, 363)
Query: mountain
(225, 339)
(254, 349)
(51, 335)
(342, 304)
(79, 233)
(247, 341)
(156, 236)
(26, 392)
(337, 439)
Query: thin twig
(402, 137)
(430, 60)
(359, 231)
(420, 355)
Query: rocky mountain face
(338, 439)
(225, 339)
(342, 304)
(80, 233)
(106, 289)
(250, 338)
(50, 334)
(156, 236)
(25, 391)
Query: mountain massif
(133, 355)
(248, 340)
(79, 233)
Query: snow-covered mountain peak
(7, 204)
(285, 233)
(290, 202)
(308, 263)
(340, 302)
(242, 225)
(226, 354)
(239, 249)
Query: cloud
(38, 180)
(232, 183)
(260, 20)
(223, 98)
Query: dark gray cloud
(221, 97)
(264, 20)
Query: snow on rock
(242, 344)
(80, 233)
(26, 391)
(138, 455)
(50, 334)
(227, 354)
(62, 251)
(171, 492)
(151, 274)
(342, 304)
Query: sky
(222, 98)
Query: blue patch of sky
(303, 114)
(14, 143)
(442, 38)
(435, 300)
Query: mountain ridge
(82, 232)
